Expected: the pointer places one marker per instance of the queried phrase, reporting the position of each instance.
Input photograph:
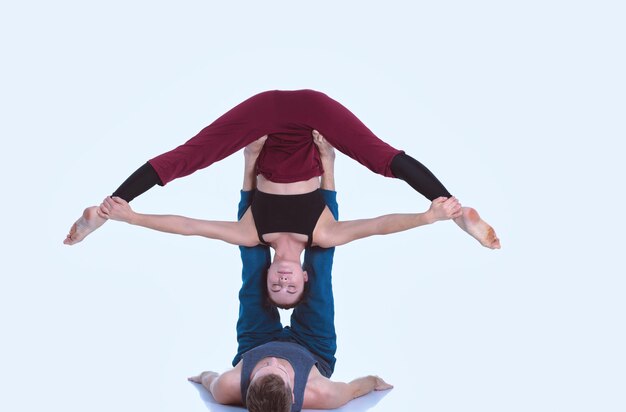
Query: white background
(518, 107)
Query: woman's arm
(237, 233)
(332, 233)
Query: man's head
(269, 389)
(286, 283)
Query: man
(274, 366)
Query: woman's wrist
(429, 217)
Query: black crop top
(287, 213)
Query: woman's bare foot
(87, 223)
(327, 157)
(480, 230)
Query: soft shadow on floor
(210, 402)
(364, 403)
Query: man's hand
(326, 394)
(381, 385)
(204, 379)
(225, 388)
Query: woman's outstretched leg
(424, 181)
(344, 131)
(229, 133)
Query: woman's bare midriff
(296, 188)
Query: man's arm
(225, 387)
(322, 393)
(258, 322)
(313, 319)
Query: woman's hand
(116, 208)
(444, 208)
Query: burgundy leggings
(289, 154)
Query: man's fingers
(383, 386)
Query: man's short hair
(269, 393)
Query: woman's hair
(269, 393)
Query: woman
(289, 156)
(288, 217)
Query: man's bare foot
(327, 157)
(480, 230)
(87, 223)
(204, 378)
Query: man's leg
(313, 320)
(258, 321)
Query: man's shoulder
(316, 388)
(227, 389)
(232, 377)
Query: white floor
(518, 108)
(365, 403)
